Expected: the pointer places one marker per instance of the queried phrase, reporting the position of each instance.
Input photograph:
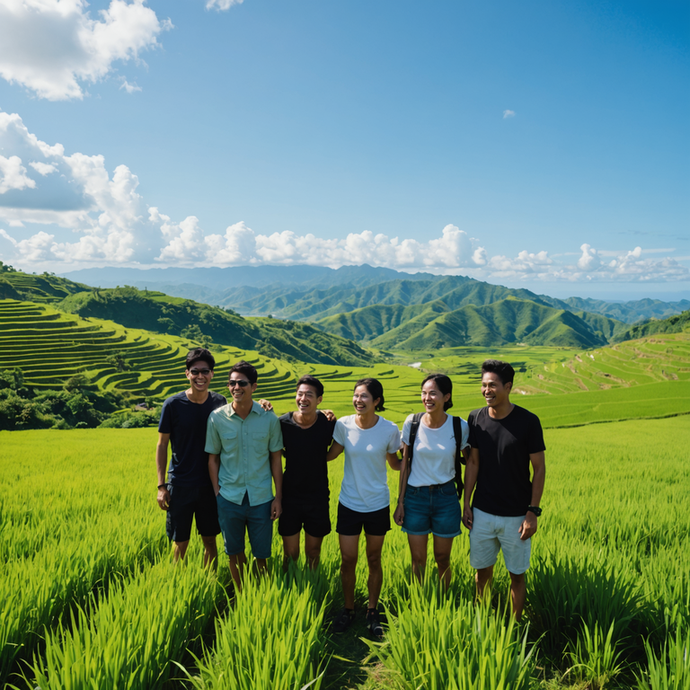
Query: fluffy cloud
(508, 113)
(589, 260)
(222, 4)
(49, 46)
(187, 243)
(13, 174)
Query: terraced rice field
(51, 346)
(89, 598)
(636, 379)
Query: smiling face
(495, 392)
(432, 398)
(307, 400)
(363, 402)
(240, 388)
(199, 376)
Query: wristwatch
(534, 509)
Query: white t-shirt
(433, 460)
(365, 485)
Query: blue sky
(536, 144)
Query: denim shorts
(235, 518)
(432, 509)
(491, 533)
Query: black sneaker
(374, 624)
(343, 620)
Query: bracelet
(162, 486)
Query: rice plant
(437, 642)
(671, 669)
(272, 637)
(128, 640)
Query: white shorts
(493, 533)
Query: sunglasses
(196, 372)
(241, 383)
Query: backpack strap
(459, 457)
(414, 428)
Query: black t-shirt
(503, 483)
(306, 467)
(185, 421)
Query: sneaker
(374, 624)
(343, 620)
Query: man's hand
(528, 526)
(329, 414)
(266, 405)
(399, 514)
(276, 508)
(163, 498)
(467, 518)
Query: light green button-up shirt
(244, 446)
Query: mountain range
(377, 307)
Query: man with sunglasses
(244, 443)
(188, 492)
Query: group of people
(226, 472)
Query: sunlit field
(89, 597)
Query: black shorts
(187, 502)
(351, 522)
(313, 517)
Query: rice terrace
(87, 583)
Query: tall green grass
(609, 586)
(128, 640)
(272, 637)
(439, 643)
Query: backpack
(457, 432)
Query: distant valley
(388, 310)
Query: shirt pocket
(229, 440)
(260, 443)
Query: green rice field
(635, 379)
(89, 597)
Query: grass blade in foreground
(670, 671)
(439, 643)
(129, 640)
(272, 638)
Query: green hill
(454, 291)
(205, 324)
(434, 325)
(631, 311)
(673, 324)
(47, 288)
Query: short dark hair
(309, 380)
(200, 354)
(502, 369)
(375, 390)
(246, 369)
(445, 385)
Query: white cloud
(508, 113)
(50, 46)
(525, 262)
(589, 260)
(240, 245)
(43, 168)
(13, 174)
(129, 88)
(222, 4)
